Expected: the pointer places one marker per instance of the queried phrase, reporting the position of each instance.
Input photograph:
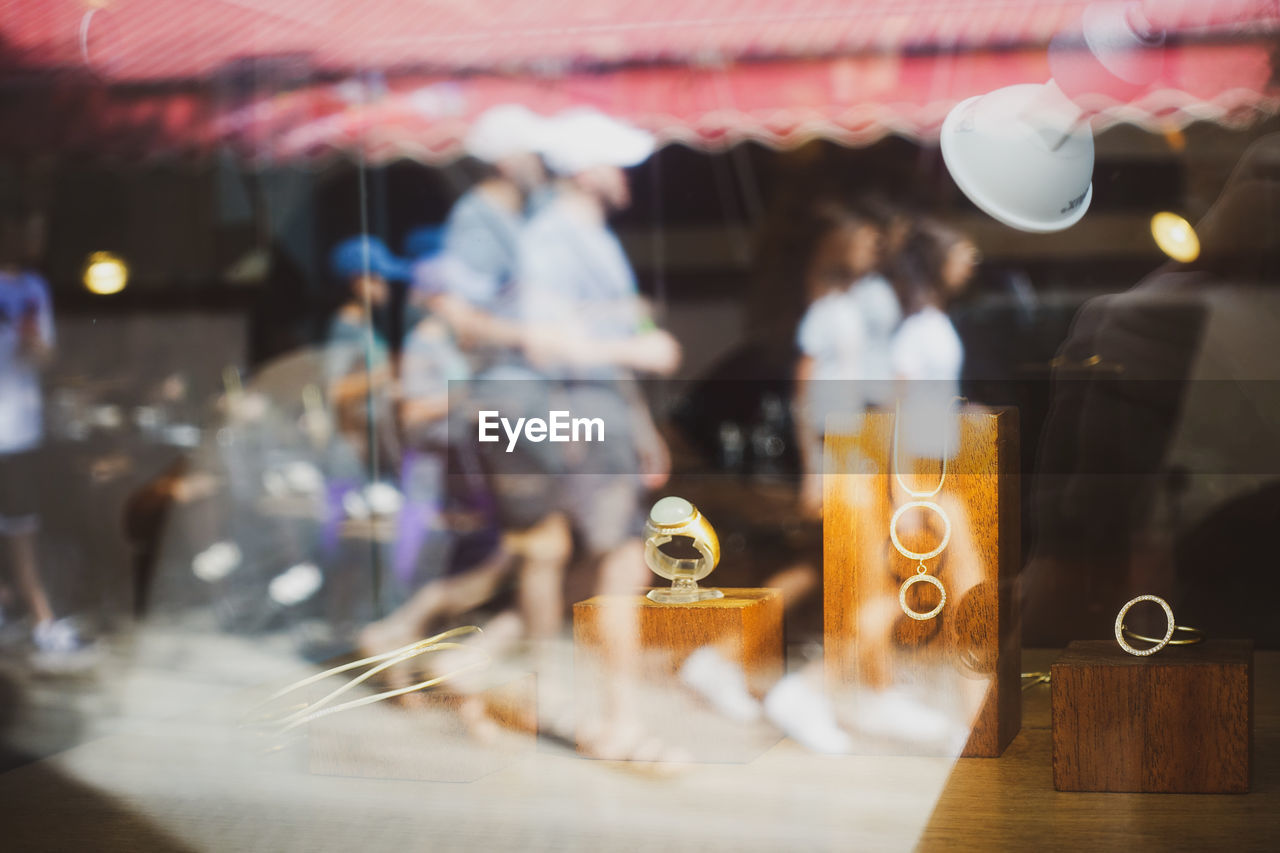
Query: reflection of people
(464, 565)
(842, 337)
(934, 266)
(587, 333)
(26, 343)
(575, 279)
(463, 283)
(467, 284)
(877, 301)
(357, 361)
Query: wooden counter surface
(1010, 803)
(190, 781)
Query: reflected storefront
(565, 425)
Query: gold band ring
(672, 517)
(1196, 636)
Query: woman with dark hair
(833, 336)
(934, 266)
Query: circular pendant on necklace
(921, 578)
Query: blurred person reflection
(358, 372)
(833, 374)
(587, 335)
(462, 298)
(934, 267)
(26, 346)
(895, 224)
(360, 387)
(467, 283)
(447, 534)
(843, 337)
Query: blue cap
(424, 241)
(364, 253)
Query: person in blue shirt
(26, 345)
(467, 283)
(357, 363)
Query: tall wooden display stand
(869, 641)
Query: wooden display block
(969, 655)
(745, 627)
(1179, 721)
(430, 735)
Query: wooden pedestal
(1179, 721)
(745, 627)
(969, 654)
(430, 736)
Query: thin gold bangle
(1197, 636)
(312, 710)
(1036, 678)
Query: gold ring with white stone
(672, 517)
(1122, 632)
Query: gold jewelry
(921, 575)
(308, 712)
(671, 517)
(1035, 678)
(919, 556)
(1160, 643)
(1196, 636)
(897, 468)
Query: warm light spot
(104, 274)
(1175, 237)
(1175, 138)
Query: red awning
(707, 73)
(854, 101)
(152, 40)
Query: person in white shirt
(842, 338)
(934, 266)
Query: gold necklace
(922, 571)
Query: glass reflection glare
(105, 274)
(1175, 237)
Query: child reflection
(448, 548)
(358, 375)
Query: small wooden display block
(969, 654)
(1178, 721)
(429, 735)
(745, 627)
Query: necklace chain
(897, 467)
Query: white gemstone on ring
(1168, 634)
